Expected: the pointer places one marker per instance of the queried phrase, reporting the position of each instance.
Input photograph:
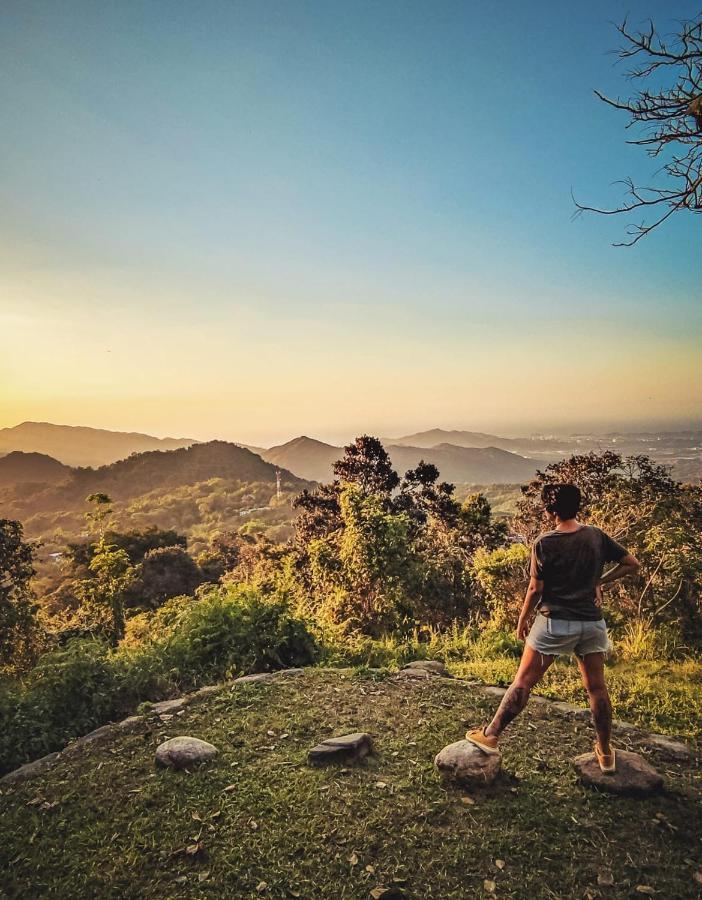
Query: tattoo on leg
(512, 704)
(602, 718)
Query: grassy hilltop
(259, 822)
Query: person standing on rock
(565, 592)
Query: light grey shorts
(554, 637)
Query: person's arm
(627, 565)
(531, 598)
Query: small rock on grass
(633, 777)
(465, 764)
(669, 747)
(168, 706)
(345, 747)
(432, 666)
(181, 752)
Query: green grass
(104, 823)
(665, 697)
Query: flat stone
(262, 676)
(345, 747)
(570, 709)
(669, 747)
(130, 723)
(30, 769)
(433, 666)
(618, 725)
(467, 765)
(166, 707)
(183, 752)
(493, 690)
(634, 776)
(208, 691)
(105, 732)
(424, 674)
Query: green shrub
(188, 642)
(68, 693)
(237, 630)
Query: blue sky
(254, 219)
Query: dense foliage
(17, 606)
(379, 568)
(190, 641)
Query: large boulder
(633, 777)
(346, 747)
(467, 765)
(183, 752)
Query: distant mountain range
(461, 456)
(314, 460)
(81, 446)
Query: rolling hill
(37, 468)
(161, 472)
(313, 460)
(305, 456)
(196, 490)
(436, 436)
(82, 446)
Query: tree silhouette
(665, 113)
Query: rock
(130, 723)
(569, 709)
(416, 673)
(431, 666)
(30, 769)
(669, 747)
(207, 691)
(261, 676)
(99, 734)
(467, 765)
(387, 893)
(166, 707)
(634, 776)
(618, 725)
(493, 691)
(344, 747)
(182, 752)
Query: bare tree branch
(668, 120)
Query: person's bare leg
(531, 670)
(592, 672)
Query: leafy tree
(421, 497)
(375, 552)
(367, 464)
(110, 573)
(359, 575)
(136, 543)
(100, 513)
(320, 513)
(657, 518)
(164, 572)
(113, 574)
(502, 574)
(17, 606)
(665, 114)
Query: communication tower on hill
(277, 483)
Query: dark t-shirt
(570, 564)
